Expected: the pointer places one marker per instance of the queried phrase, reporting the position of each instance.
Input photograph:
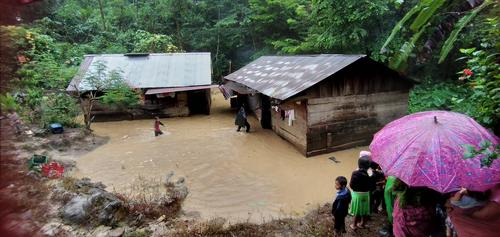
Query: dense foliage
(409, 35)
(475, 90)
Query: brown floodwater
(239, 176)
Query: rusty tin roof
(282, 77)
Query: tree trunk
(102, 15)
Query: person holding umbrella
(426, 150)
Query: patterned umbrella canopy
(426, 150)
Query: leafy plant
(487, 151)
(120, 96)
(8, 102)
(430, 95)
(146, 42)
(106, 86)
(483, 76)
(448, 44)
(426, 14)
(59, 108)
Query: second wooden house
(322, 103)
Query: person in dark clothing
(241, 119)
(340, 206)
(377, 190)
(157, 126)
(360, 185)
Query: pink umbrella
(426, 150)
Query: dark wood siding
(360, 78)
(336, 123)
(345, 110)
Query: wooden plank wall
(361, 78)
(295, 134)
(337, 123)
(346, 109)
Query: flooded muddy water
(239, 176)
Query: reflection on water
(231, 174)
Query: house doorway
(199, 102)
(265, 121)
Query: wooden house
(170, 84)
(323, 103)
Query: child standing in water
(340, 206)
(360, 185)
(157, 126)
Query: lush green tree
(341, 26)
(60, 108)
(108, 87)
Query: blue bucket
(56, 128)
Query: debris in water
(334, 159)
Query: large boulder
(76, 210)
(92, 205)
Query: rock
(106, 205)
(98, 207)
(180, 181)
(40, 132)
(169, 176)
(161, 218)
(138, 232)
(116, 232)
(159, 229)
(51, 229)
(180, 190)
(76, 209)
(87, 183)
(101, 231)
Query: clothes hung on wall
(290, 114)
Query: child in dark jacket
(340, 206)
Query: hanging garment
(283, 115)
(291, 117)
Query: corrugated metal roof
(175, 89)
(240, 88)
(150, 71)
(281, 77)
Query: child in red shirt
(157, 126)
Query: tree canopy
(421, 39)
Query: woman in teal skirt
(360, 185)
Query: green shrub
(8, 102)
(431, 95)
(59, 108)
